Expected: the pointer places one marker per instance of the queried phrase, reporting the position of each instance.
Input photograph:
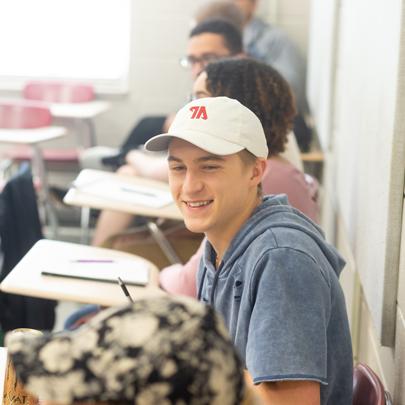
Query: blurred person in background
(271, 45)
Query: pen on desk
(124, 288)
(130, 190)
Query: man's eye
(176, 168)
(210, 167)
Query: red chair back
(367, 387)
(20, 115)
(58, 92)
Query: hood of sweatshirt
(274, 212)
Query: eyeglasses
(189, 61)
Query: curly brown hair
(260, 88)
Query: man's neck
(220, 241)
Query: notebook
(106, 270)
(120, 190)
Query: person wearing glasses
(208, 41)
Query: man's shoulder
(285, 234)
(267, 32)
(285, 241)
(279, 244)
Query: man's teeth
(198, 203)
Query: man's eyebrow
(206, 158)
(172, 158)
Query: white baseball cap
(219, 125)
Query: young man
(266, 268)
(211, 40)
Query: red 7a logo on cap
(199, 112)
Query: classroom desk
(30, 136)
(313, 163)
(315, 156)
(33, 137)
(81, 112)
(26, 277)
(78, 196)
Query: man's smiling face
(214, 193)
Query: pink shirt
(280, 177)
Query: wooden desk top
(313, 156)
(79, 197)
(26, 277)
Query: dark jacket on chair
(20, 228)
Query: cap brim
(203, 141)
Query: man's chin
(194, 227)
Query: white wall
(364, 174)
(158, 85)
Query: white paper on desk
(112, 189)
(99, 269)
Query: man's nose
(196, 69)
(192, 184)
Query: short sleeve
(287, 337)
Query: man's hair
(220, 10)
(249, 159)
(260, 88)
(231, 35)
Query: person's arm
(181, 279)
(287, 347)
(145, 165)
(286, 392)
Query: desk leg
(163, 243)
(85, 225)
(92, 141)
(39, 169)
(85, 132)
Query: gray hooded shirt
(277, 288)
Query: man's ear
(258, 170)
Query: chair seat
(368, 388)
